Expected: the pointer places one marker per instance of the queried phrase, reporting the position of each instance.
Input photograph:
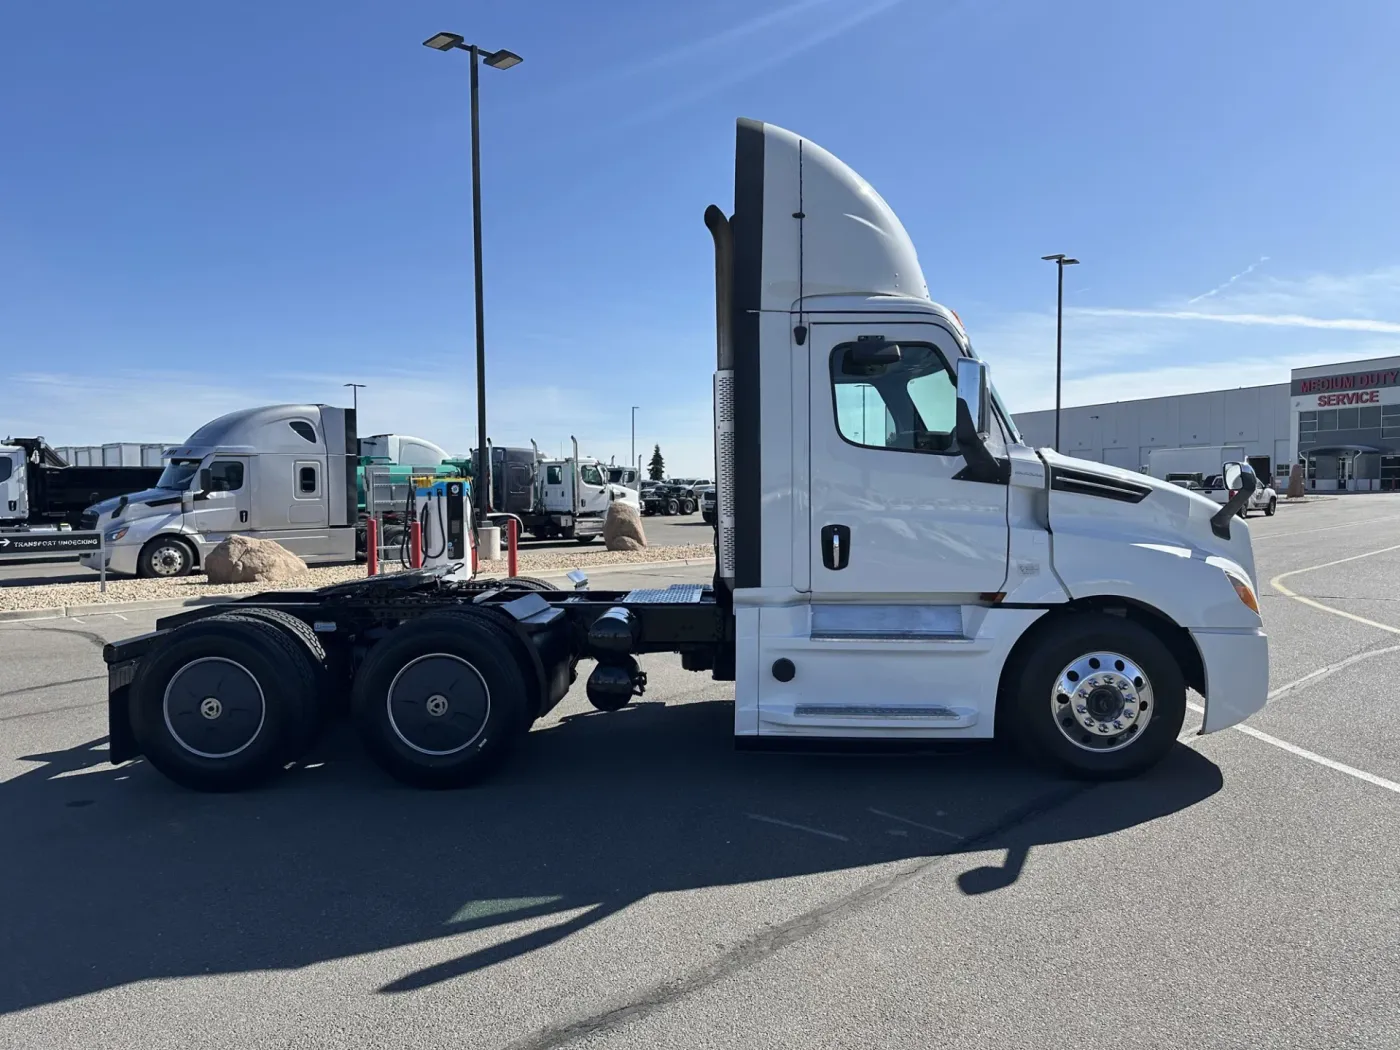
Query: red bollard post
(415, 545)
(372, 546)
(512, 539)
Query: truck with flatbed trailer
(892, 563)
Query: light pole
(634, 438)
(1060, 261)
(355, 389)
(496, 60)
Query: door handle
(243, 515)
(836, 546)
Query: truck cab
(900, 564)
(280, 472)
(574, 496)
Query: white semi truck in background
(892, 563)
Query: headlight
(1244, 590)
(116, 534)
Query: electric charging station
(444, 514)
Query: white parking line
(1278, 586)
(797, 827)
(1312, 756)
(916, 824)
(1324, 528)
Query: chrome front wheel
(1101, 701)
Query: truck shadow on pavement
(116, 876)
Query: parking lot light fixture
(443, 41)
(497, 60)
(501, 59)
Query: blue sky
(207, 206)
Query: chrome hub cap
(168, 561)
(1101, 702)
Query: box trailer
(892, 563)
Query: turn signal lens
(1245, 591)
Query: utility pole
(497, 60)
(1060, 261)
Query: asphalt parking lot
(632, 881)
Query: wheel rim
(1101, 702)
(214, 707)
(168, 560)
(438, 704)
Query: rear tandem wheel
(443, 699)
(224, 703)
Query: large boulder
(244, 559)
(622, 528)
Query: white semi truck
(893, 564)
(278, 472)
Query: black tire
(165, 558)
(450, 658)
(673, 506)
(330, 674)
(1269, 510)
(687, 507)
(585, 540)
(255, 710)
(1157, 691)
(566, 534)
(529, 583)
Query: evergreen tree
(656, 469)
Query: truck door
(592, 490)
(14, 492)
(224, 503)
(892, 511)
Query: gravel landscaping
(532, 563)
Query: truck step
(676, 594)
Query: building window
(1307, 422)
(1348, 418)
(1327, 419)
(1390, 473)
(1371, 417)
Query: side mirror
(1240, 482)
(972, 392)
(870, 355)
(974, 421)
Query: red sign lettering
(1365, 397)
(1351, 382)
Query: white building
(1341, 421)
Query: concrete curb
(59, 612)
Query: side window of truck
(909, 404)
(225, 476)
(554, 475)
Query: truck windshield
(177, 474)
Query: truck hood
(137, 501)
(1096, 498)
